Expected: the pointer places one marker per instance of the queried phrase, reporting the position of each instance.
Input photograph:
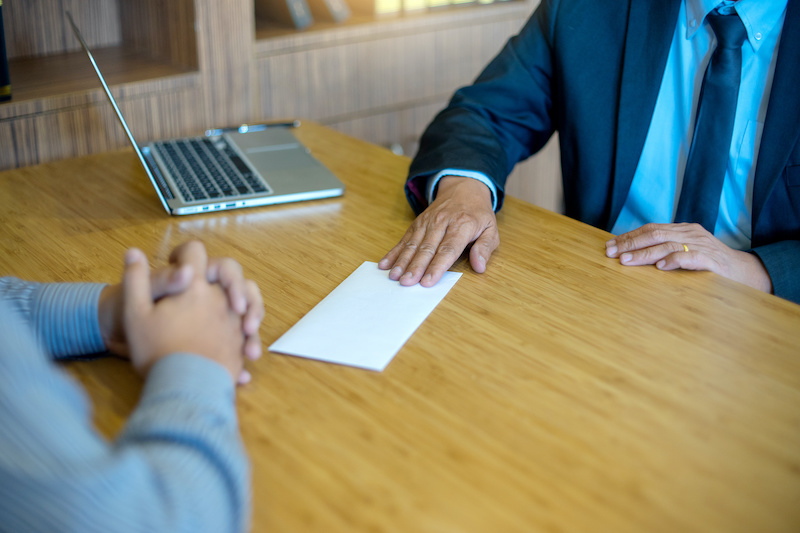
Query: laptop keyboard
(204, 172)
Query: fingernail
(427, 279)
(660, 264)
(244, 377)
(254, 352)
(383, 264)
(611, 251)
(408, 275)
(132, 256)
(396, 273)
(626, 258)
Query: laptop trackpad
(276, 160)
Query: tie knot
(729, 30)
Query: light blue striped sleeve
(63, 316)
(178, 466)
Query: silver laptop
(228, 168)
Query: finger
(255, 308)
(408, 251)
(432, 245)
(136, 283)
(252, 347)
(650, 255)
(388, 260)
(483, 248)
(177, 253)
(451, 248)
(691, 260)
(230, 276)
(191, 253)
(244, 378)
(398, 257)
(643, 237)
(170, 280)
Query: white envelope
(365, 320)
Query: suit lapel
(651, 26)
(782, 124)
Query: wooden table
(559, 391)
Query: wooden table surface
(559, 391)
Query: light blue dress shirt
(656, 185)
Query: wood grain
(559, 391)
(162, 30)
(38, 28)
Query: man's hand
(198, 320)
(243, 297)
(663, 245)
(462, 213)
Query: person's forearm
(178, 466)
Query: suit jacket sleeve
(781, 260)
(503, 118)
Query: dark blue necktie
(708, 155)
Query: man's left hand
(690, 247)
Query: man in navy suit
(621, 82)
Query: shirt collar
(760, 17)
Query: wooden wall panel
(39, 27)
(338, 81)
(8, 157)
(400, 127)
(538, 179)
(226, 34)
(94, 128)
(164, 30)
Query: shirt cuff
(434, 182)
(67, 318)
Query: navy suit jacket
(591, 70)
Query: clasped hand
(195, 305)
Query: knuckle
(195, 245)
(426, 248)
(442, 218)
(447, 249)
(232, 266)
(650, 227)
(464, 219)
(251, 287)
(658, 234)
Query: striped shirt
(178, 465)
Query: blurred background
(378, 70)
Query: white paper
(365, 320)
